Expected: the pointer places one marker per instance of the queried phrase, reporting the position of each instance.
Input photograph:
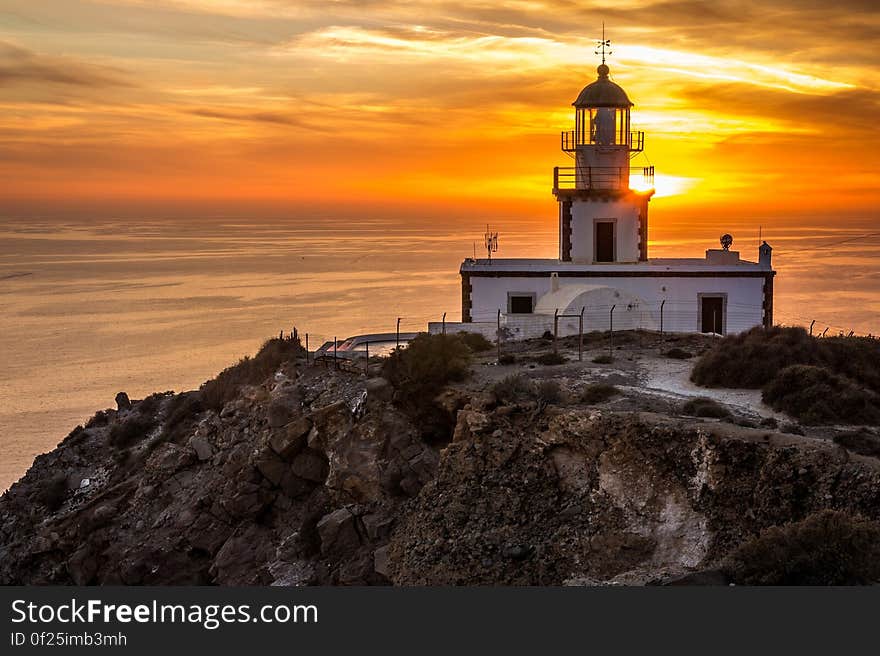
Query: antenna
(491, 241)
(601, 45)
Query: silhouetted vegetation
(598, 393)
(517, 388)
(476, 342)
(182, 413)
(420, 371)
(817, 396)
(52, 495)
(826, 548)
(507, 359)
(551, 358)
(704, 407)
(678, 354)
(838, 380)
(151, 404)
(603, 359)
(862, 441)
(513, 389)
(100, 418)
(126, 433)
(249, 371)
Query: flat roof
(650, 267)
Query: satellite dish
(726, 241)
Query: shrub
(518, 388)
(507, 359)
(548, 335)
(100, 418)
(862, 441)
(678, 354)
(126, 433)
(815, 395)
(249, 371)
(54, 492)
(826, 548)
(513, 389)
(704, 407)
(598, 392)
(551, 358)
(754, 358)
(183, 411)
(151, 404)
(548, 392)
(419, 372)
(476, 342)
(603, 359)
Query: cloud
(21, 66)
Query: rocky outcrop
(315, 477)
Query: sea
(94, 307)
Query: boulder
(380, 561)
(204, 450)
(338, 532)
(279, 412)
(310, 466)
(289, 441)
(123, 402)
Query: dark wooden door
(713, 317)
(604, 241)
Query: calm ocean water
(92, 308)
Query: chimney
(764, 254)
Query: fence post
(611, 332)
(581, 336)
(367, 364)
(555, 329)
(498, 336)
(812, 323)
(824, 331)
(307, 348)
(335, 361)
(444, 323)
(662, 303)
(398, 334)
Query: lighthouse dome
(602, 93)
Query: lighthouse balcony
(571, 140)
(588, 178)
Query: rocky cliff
(315, 476)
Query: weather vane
(604, 43)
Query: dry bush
(513, 389)
(598, 393)
(603, 359)
(53, 493)
(862, 441)
(704, 407)
(678, 354)
(548, 392)
(126, 433)
(815, 395)
(419, 372)
(551, 358)
(827, 548)
(249, 371)
(182, 413)
(476, 342)
(507, 359)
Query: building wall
(584, 213)
(743, 305)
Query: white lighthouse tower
(603, 216)
(603, 275)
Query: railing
(569, 141)
(603, 177)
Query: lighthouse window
(520, 303)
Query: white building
(603, 270)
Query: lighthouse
(603, 275)
(603, 201)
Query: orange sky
(205, 107)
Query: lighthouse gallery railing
(603, 177)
